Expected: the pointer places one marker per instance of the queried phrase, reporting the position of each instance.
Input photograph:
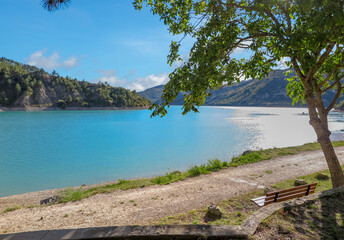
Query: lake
(44, 150)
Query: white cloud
(37, 59)
(50, 62)
(71, 62)
(282, 64)
(239, 50)
(180, 62)
(138, 84)
(110, 77)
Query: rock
(51, 200)
(246, 152)
(282, 229)
(213, 213)
(41, 97)
(299, 182)
(322, 176)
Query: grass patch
(266, 154)
(10, 209)
(322, 185)
(197, 170)
(169, 177)
(238, 208)
(80, 193)
(72, 195)
(235, 210)
(212, 165)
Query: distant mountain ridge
(270, 91)
(23, 85)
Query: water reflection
(282, 127)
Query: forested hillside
(25, 85)
(270, 91)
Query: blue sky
(95, 40)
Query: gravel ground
(146, 205)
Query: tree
(61, 104)
(307, 34)
(18, 89)
(52, 5)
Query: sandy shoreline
(32, 109)
(155, 202)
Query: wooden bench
(286, 194)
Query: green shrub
(122, 181)
(168, 178)
(198, 170)
(214, 164)
(10, 209)
(245, 159)
(225, 164)
(61, 104)
(160, 180)
(72, 195)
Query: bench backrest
(286, 194)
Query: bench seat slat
(287, 198)
(290, 193)
(289, 189)
(285, 194)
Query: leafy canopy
(306, 33)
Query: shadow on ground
(322, 218)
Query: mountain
(153, 94)
(25, 85)
(270, 91)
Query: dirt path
(146, 205)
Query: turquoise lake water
(44, 150)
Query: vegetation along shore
(213, 165)
(148, 201)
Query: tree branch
(325, 54)
(335, 98)
(318, 99)
(286, 14)
(297, 68)
(269, 13)
(328, 88)
(334, 70)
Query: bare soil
(147, 205)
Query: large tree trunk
(320, 125)
(337, 176)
